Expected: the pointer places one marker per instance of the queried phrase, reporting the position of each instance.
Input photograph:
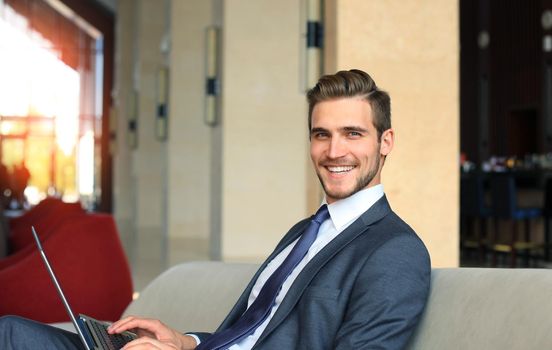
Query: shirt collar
(345, 211)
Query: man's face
(344, 146)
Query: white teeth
(340, 169)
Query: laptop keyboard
(109, 341)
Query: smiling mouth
(340, 169)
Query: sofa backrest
(193, 296)
(468, 308)
(487, 309)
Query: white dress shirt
(342, 213)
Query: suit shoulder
(394, 231)
(394, 223)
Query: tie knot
(322, 214)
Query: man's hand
(153, 334)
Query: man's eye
(354, 134)
(321, 135)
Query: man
(353, 277)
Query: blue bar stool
(504, 207)
(547, 213)
(473, 212)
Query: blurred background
(186, 119)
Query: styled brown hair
(353, 83)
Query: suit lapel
(361, 225)
(241, 305)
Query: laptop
(92, 333)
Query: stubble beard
(362, 182)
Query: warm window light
(33, 195)
(6, 128)
(85, 161)
(36, 82)
(70, 197)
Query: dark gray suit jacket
(365, 290)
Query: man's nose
(337, 148)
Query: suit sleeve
(388, 297)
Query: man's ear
(387, 142)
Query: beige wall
(189, 143)
(149, 157)
(122, 186)
(411, 49)
(138, 179)
(264, 130)
(140, 172)
(238, 187)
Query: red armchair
(88, 259)
(39, 210)
(44, 218)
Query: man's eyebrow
(315, 130)
(343, 129)
(354, 128)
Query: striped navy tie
(254, 316)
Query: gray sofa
(468, 308)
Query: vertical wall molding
(314, 42)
